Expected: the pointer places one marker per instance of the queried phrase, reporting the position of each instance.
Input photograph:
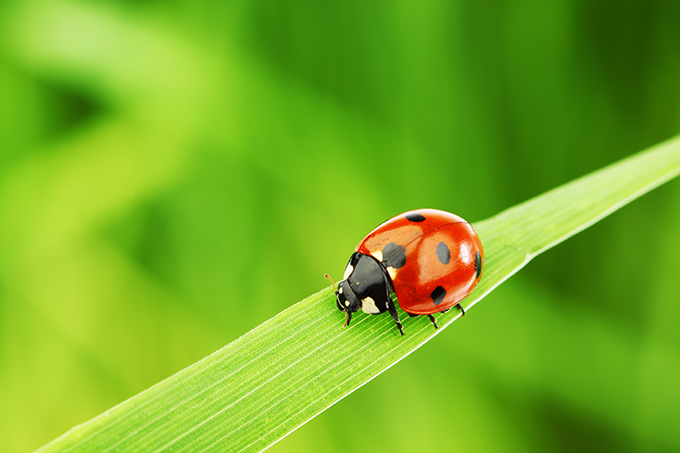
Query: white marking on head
(368, 306)
(346, 303)
(392, 271)
(348, 271)
(340, 290)
(378, 255)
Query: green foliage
(262, 386)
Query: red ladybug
(430, 259)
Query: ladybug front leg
(395, 316)
(391, 306)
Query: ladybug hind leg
(434, 321)
(460, 307)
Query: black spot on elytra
(415, 217)
(443, 253)
(438, 295)
(394, 255)
(478, 265)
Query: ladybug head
(347, 301)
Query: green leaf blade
(261, 387)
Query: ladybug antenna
(329, 278)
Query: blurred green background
(174, 173)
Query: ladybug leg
(391, 306)
(433, 321)
(393, 311)
(348, 318)
(460, 307)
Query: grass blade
(261, 387)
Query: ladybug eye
(340, 300)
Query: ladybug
(430, 259)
